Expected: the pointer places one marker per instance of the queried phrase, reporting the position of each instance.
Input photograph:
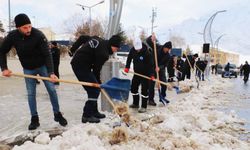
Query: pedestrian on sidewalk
(87, 63)
(246, 70)
(34, 54)
(56, 58)
(143, 64)
(227, 70)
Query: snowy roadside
(190, 121)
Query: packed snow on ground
(191, 120)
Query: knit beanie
(21, 19)
(54, 43)
(168, 45)
(115, 41)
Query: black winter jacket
(55, 55)
(92, 55)
(246, 68)
(163, 58)
(33, 50)
(79, 42)
(142, 60)
(189, 61)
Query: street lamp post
(9, 16)
(216, 43)
(90, 7)
(153, 19)
(209, 26)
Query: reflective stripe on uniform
(143, 96)
(135, 93)
(92, 99)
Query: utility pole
(111, 67)
(9, 16)
(153, 19)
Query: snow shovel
(197, 81)
(116, 88)
(147, 77)
(162, 99)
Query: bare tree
(72, 24)
(143, 35)
(177, 41)
(1, 27)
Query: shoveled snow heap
(187, 123)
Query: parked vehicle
(233, 71)
(219, 69)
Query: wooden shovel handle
(59, 80)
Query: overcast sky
(183, 17)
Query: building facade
(222, 57)
(50, 35)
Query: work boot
(97, 114)
(142, 110)
(59, 118)
(135, 102)
(90, 119)
(144, 101)
(134, 106)
(89, 112)
(152, 103)
(34, 123)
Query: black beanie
(21, 19)
(196, 55)
(115, 41)
(168, 45)
(54, 43)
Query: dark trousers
(56, 69)
(200, 75)
(162, 77)
(86, 75)
(136, 82)
(246, 76)
(186, 74)
(171, 75)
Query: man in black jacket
(56, 58)
(179, 68)
(246, 71)
(188, 65)
(143, 64)
(34, 54)
(171, 68)
(83, 39)
(87, 63)
(163, 57)
(201, 66)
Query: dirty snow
(191, 121)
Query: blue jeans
(31, 89)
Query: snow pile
(188, 123)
